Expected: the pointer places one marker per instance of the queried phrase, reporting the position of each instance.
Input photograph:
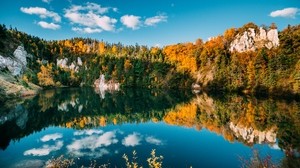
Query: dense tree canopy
(174, 66)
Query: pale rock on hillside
(17, 64)
(11, 85)
(251, 40)
(63, 63)
(101, 86)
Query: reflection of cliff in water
(83, 108)
(247, 120)
(236, 118)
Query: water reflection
(243, 119)
(82, 108)
(238, 119)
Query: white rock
(250, 40)
(20, 54)
(62, 63)
(17, 64)
(262, 34)
(102, 86)
(79, 62)
(72, 66)
(273, 37)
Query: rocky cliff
(102, 85)
(64, 63)
(16, 64)
(11, 83)
(252, 39)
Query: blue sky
(146, 22)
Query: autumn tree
(45, 76)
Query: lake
(188, 130)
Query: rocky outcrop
(63, 63)
(250, 135)
(16, 64)
(251, 40)
(203, 78)
(102, 86)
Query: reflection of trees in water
(45, 100)
(82, 108)
(248, 120)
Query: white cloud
(152, 21)
(115, 9)
(42, 12)
(131, 21)
(286, 13)
(51, 137)
(93, 7)
(90, 16)
(46, 25)
(88, 132)
(45, 150)
(153, 140)
(47, 1)
(132, 140)
(86, 30)
(92, 143)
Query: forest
(209, 64)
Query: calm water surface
(187, 130)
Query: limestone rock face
(63, 63)
(17, 64)
(272, 36)
(20, 54)
(251, 40)
(102, 86)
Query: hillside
(250, 59)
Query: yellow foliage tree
(183, 55)
(127, 65)
(101, 48)
(114, 50)
(45, 76)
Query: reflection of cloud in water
(132, 139)
(153, 140)
(92, 143)
(29, 164)
(51, 137)
(88, 132)
(95, 154)
(45, 150)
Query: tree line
(274, 71)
